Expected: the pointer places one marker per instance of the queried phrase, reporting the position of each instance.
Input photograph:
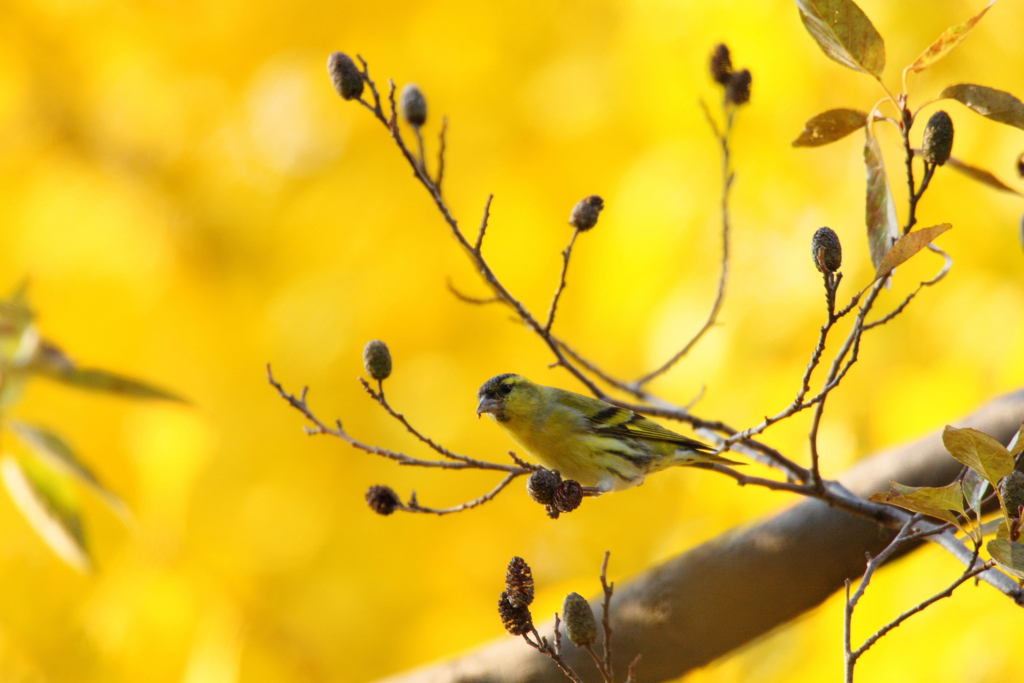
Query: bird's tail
(685, 457)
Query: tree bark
(720, 595)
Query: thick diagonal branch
(751, 580)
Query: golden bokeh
(191, 200)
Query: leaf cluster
(44, 482)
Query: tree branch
(752, 579)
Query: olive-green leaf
(997, 105)
(829, 126)
(844, 33)
(979, 451)
(974, 489)
(1009, 555)
(101, 380)
(55, 517)
(880, 210)
(948, 41)
(938, 502)
(1017, 444)
(907, 246)
(56, 453)
(982, 176)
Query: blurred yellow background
(191, 200)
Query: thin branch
(379, 398)
(462, 462)
(609, 589)
(542, 646)
(631, 671)
(422, 152)
(440, 153)
(727, 180)
(966, 576)
(903, 538)
(566, 255)
(465, 298)
(414, 506)
(483, 226)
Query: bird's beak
(488, 405)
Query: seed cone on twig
(1011, 488)
(826, 250)
(938, 138)
(737, 90)
(345, 75)
(519, 583)
(580, 624)
(568, 496)
(542, 485)
(584, 214)
(383, 500)
(516, 620)
(413, 105)
(721, 64)
(377, 360)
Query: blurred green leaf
(53, 514)
(979, 451)
(56, 453)
(997, 105)
(829, 126)
(844, 34)
(974, 489)
(1009, 555)
(907, 246)
(101, 380)
(995, 526)
(948, 41)
(12, 386)
(982, 176)
(938, 502)
(880, 212)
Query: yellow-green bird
(584, 438)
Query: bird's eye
(505, 389)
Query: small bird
(584, 438)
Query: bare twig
(903, 538)
(440, 153)
(483, 225)
(608, 589)
(465, 298)
(453, 461)
(727, 179)
(413, 505)
(566, 255)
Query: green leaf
(101, 380)
(982, 176)
(979, 451)
(880, 211)
(56, 453)
(829, 126)
(1017, 443)
(974, 489)
(53, 513)
(907, 246)
(1009, 555)
(997, 105)
(938, 502)
(948, 41)
(844, 33)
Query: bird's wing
(605, 418)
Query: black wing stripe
(605, 415)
